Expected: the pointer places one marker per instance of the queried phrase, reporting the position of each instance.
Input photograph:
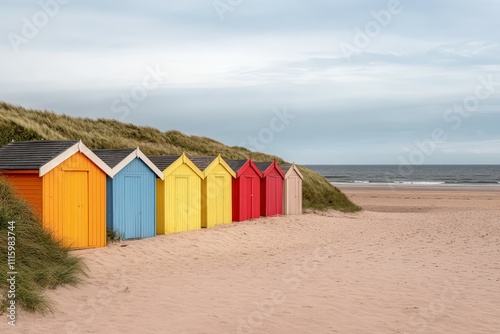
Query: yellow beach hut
(216, 190)
(178, 196)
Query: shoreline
(423, 199)
(440, 187)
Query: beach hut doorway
(248, 190)
(294, 195)
(76, 208)
(292, 190)
(181, 218)
(274, 199)
(220, 198)
(133, 207)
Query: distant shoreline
(385, 186)
(425, 176)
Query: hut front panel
(272, 195)
(216, 198)
(74, 206)
(183, 200)
(75, 215)
(246, 196)
(131, 223)
(134, 200)
(28, 185)
(251, 190)
(292, 195)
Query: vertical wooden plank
(160, 206)
(206, 202)
(235, 198)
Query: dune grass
(17, 123)
(41, 262)
(319, 194)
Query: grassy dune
(17, 123)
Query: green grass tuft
(113, 236)
(319, 194)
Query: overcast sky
(314, 81)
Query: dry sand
(415, 261)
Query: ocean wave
(472, 182)
(417, 183)
(423, 183)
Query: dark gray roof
(202, 162)
(263, 166)
(236, 164)
(285, 167)
(32, 155)
(113, 157)
(163, 161)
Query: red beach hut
(271, 189)
(246, 189)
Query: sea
(484, 176)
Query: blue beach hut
(130, 193)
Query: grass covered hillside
(20, 124)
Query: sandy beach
(415, 261)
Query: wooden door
(220, 200)
(76, 209)
(181, 205)
(133, 208)
(251, 197)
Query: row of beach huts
(80, 193)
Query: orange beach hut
(66, 185)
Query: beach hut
(216, 190)
(246, 190)
(271, 189)
(292, 190)
(65, 182)
(130, 193)
(178, 195)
